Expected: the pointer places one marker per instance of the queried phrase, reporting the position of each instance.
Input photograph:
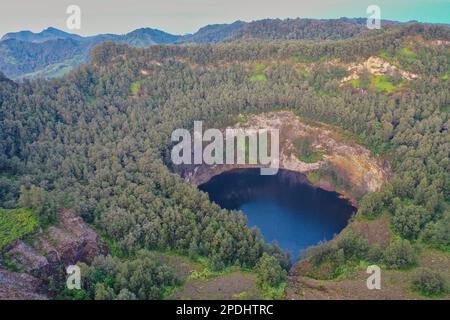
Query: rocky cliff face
(20, 286)
(66, 243)
(362, 171)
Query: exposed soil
(230, 286)
(377, 232)
(233, 285)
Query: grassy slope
(258, 73)
(380, 83)
(55, 70)
(15, 224)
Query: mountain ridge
(52, 52)
(52, 33)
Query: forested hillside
(303, 29)
(52, 52)
(98, 139)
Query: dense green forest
(98, 140)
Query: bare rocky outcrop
(28, 259)
(66, 243)
(440, 43)
(20, 286)
(70, 241)
(378, 67)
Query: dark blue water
(285, 207)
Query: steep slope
(18, 58)
(101, 137)
(53, 52)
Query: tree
(125, 294)
(40, 202)
(145, 277)
(373, 203)
(409, 220)
(364, 79)
(103, 292)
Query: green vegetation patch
(355, 83)
(135, 87)
(408, 55)
(384, 54)
(258, 77)
(403, 55)
(305, 151)
(383, 83)
(15, 224)
(311, 157)
(313, 176)
(258, 74)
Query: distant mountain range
(53, 52)
(144, 36)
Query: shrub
(350, 246)
(375, 254)
(438, 233)
(269, 272)
(430, 283)
(321, 252)
(353, 245)
(400, 254)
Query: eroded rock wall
(66, 243)
(363, 171)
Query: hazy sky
(186, 16)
